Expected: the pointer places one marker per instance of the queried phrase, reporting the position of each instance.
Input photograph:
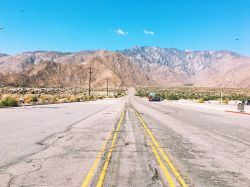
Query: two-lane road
(123, 142)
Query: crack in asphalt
(46, 146)
(25, 173)
(217, 178)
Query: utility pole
(221, 95)
(90, 71)
(107, 87)
(115, 89)
(22, 85)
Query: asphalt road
(123, 142)
(210, 147)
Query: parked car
(150, 98)
(156, 98)
(246, 102)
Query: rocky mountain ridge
(190, 62)
(70, 70)
(138, 66)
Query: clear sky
(73, 25)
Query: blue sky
(73, 25)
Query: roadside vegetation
(8, 102)
(201, 95)
(8, 99)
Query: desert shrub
(30, 99)
(139, 93)
(201, 100)
(195, 93)
(225, 101)
(209, 98)
(8, 102)
(172, 97)
(120, 93)
(162, 95)
(100, 97)
(53, 99)
(62, 100)
(73, 98)
(45, 99)
(77, 98)
(86, 98)
(27, 99)
(34, 99)
(13, 96)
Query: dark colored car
(156, 98)
(246, 102)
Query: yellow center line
(95, 164)
(162, 166)
(105, 167)
(167, 160)
(91, 172)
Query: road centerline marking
(91, 172)
(93, 168)
(106, 163)
(162, 152)
(162, 166)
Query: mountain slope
(172, 67)
(138, 66)
(189, 62)
(232, 73)
(1, 55)
(72, 70)
(21, 61)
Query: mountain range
(138, 66)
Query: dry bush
(16, 97)
(45, 98)
(30, 99)
(225, 101)
(8, 102)
(100, 97)
(201, 101)
(63, 100)
(54, 99)
(73, 98)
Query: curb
(237, 112)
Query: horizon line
(123, 49)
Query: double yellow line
(159, 153)
(157, 148)
(92, 170)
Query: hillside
(202, 68)
(138, 66)
(57, 69)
